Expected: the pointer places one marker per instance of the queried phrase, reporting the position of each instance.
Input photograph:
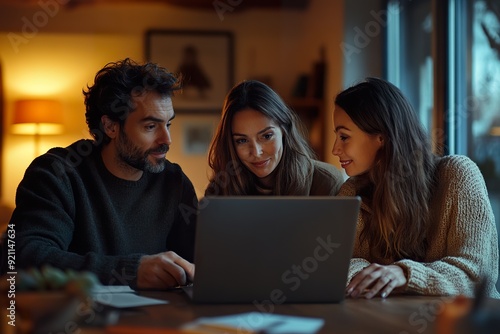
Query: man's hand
(163, 270)
(376, 279)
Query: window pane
(484, 107)
(409, 52)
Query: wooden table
(396, 314)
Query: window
(409, 58)
(445, 56)
(484, 105)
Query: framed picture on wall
(203, 59)
(196, 137)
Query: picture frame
(205, 61)
(196, 137)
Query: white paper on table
(99, 289)
(121, 296)
(255, 322)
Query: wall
(53, 66)
(364, 40)
(57, 52)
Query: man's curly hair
(114, 87)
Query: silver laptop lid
(273, 249)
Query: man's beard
(133, 156)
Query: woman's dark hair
(114, 87)
(295, 165)
(401, 181)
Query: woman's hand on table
(375, 280)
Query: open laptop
(273, 250)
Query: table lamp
(37, 117)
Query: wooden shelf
(309, 103)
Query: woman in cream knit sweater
(426, 225)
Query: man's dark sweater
(71, 212)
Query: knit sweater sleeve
(466, 233)
(44, 224)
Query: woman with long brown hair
(426, 225)
(259, 149)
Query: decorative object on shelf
(204, 59)
(300, 90)
(37, 117)
(318, 76)
(307, 101)
(312, 85)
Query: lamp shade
(37, 116)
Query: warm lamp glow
(37, 117)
